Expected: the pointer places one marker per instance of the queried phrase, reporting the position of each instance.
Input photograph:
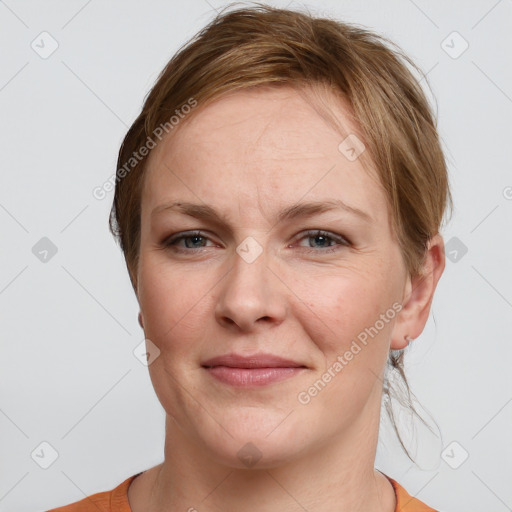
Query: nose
(250, 296)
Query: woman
(278, 202)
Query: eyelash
(342, 241)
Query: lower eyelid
(338, 239)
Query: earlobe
(401, 343)
(420, 292)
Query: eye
(324, 241)
(318, 241)
(192, 241)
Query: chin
(256, 440)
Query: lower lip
(246, 377)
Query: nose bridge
(249, 293)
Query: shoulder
(114, 500)
(405, 502)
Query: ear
(418, 295)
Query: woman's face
(255, 280)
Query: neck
(336, 475)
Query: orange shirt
(116, 500)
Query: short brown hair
(261, 46)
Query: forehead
(271, 140)
(272, 121)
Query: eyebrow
(205, 212)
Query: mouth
(246, 377)
(255, 370)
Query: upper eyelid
(303, 234)
(322, 232)
(187, 234)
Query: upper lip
(253, 361)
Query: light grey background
(68, 374)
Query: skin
(249, 155)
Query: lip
(250, 371)
(249, 377)
(254, 361)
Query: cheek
(343, 307)
(172, 302)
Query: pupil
(195, 239)
(320, 237)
